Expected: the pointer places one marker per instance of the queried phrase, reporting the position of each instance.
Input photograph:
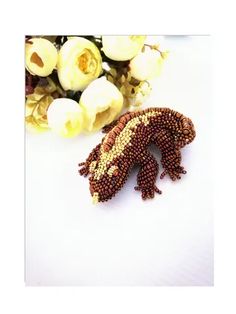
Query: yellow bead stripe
(121, 142)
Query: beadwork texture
(125, 145)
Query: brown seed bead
(178, 115)
(106, 147)
(186, 131)
(126, 144)
(120, 127)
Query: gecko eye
(113, 171)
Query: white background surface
(165, 241)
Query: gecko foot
(148, 192)
(174, 173)
(84, 171)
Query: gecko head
(186, 132)
(104, 187)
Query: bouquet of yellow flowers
(82, 83)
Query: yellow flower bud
(65, 117)
(40, 56)
(121, 48)
(102, 102)
(79, 63)
(142, 92)
(146, 65)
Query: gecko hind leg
(171, 156)
(147, 176)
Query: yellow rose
(65, 117)
(40, 56)
(102, 102)
(146, 65)
(79, 63)
(121, 48)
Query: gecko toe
(157, 190)
(81, 164)
(83, 172)
(174, 173)
(148, 193)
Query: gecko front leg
(88, 164)
(147, 175)
(171, 156)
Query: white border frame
(191, 17)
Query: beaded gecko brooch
(125, 145)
